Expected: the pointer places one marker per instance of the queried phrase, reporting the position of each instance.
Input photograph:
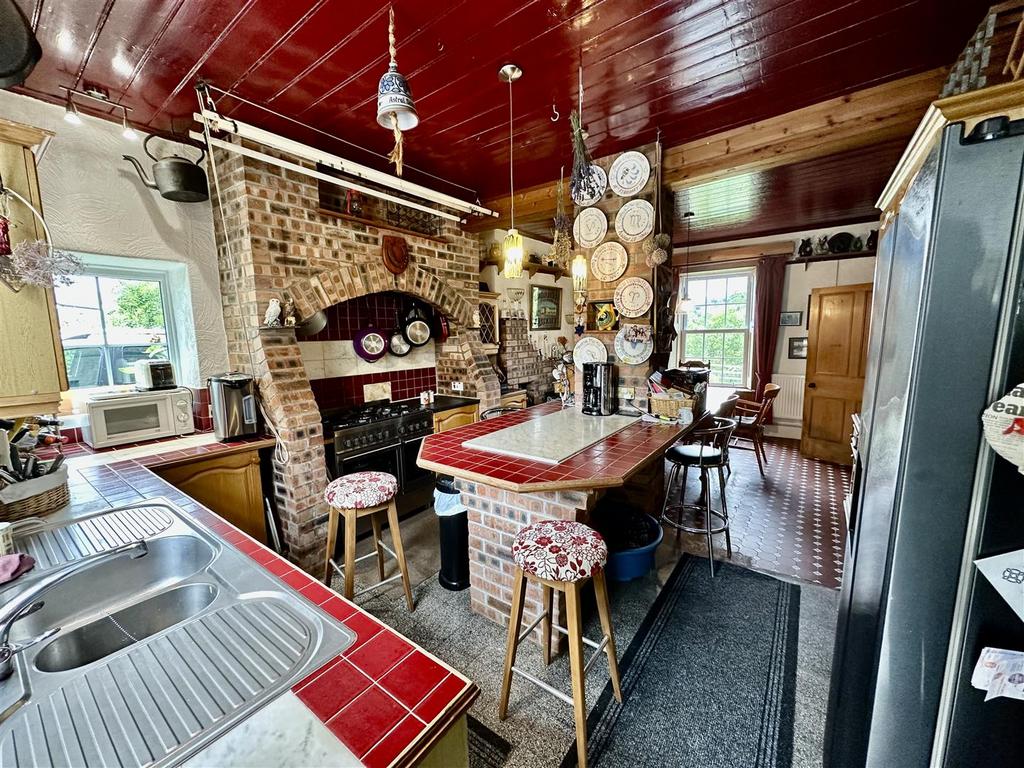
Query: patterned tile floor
(789, 524)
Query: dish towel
(12, 566)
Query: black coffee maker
(600, 395)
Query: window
(109, 318)
(719, 329)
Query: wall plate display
(589, 350)
(597, 172)
(590, 227)
(634, 297)
(629, 173)
(609, 261)
(634, 221)
(634, 344)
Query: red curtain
(770, 277)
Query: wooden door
(837, 345)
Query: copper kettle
(177, 178)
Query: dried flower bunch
(34, 262)
(584, 184)
(561, 249)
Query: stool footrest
(542, 685)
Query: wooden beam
(888, 111)
(734, 253)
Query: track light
(71, 112)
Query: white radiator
(789, 405)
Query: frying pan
(397, 343)
(416, 329)
(370, 344)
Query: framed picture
(545, 308)
(798, 348)
(791, 318)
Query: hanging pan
(398, 345)
(370, 344)
(416, 328)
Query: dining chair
(727, 407)
(751, 416)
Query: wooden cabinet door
(458, 417)
(229, 485)
(837, 346)
(31, 357)
(517, 399)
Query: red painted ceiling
(690, 67)
(827, 191)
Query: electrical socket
(456, 386)
(627, 393)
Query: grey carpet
(486, 748)
(709, 678)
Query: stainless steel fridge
(928, 495)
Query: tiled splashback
(338, 375)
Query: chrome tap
(28, 601)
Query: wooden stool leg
(545, 623)
(576, 662)
(605, 612)
(375, 521)
(515, 621)
(332, 539)
(396, 539)
(350, 553)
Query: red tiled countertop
(606, 463)
(384, 698)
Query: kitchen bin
(453, 524)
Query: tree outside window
(718, 330)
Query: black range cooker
(382, 436)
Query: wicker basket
(54, 496)
(668, 403)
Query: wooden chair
(728, 407)
(750, 418)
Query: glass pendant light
(686, 304)
(579, 273)
(512, 249)
(71, 112)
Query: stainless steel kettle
(177, 178)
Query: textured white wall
(95, 203)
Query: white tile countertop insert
(552, 438)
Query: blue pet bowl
(629, 564)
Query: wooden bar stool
(364, 494)
(561, 555)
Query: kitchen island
(379, 700)
(509, 488)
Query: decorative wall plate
(634, 221)
(609, 261)
(629, 173)
(633, 347)
(634, 297)
(602, 183)
(590, 227)
(589, 349)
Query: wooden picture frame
(791, 319)
(798, 348)
(545, 308)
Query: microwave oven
(131, 417)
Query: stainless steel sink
(156, 656)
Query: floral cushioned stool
(364, 494)
(562, 556)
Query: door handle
(811, 385)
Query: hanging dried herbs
(584, 184)
(561, 249)
(36, 263)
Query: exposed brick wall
(274, 242)
(516, 355)
(495, 517)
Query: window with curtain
(719, 330)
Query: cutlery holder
(32, 498)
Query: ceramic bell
(393, 95)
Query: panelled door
(837, 345)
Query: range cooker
(382, 436)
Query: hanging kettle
(177, 178)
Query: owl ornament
(272, 317)
(1003, 423)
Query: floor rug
(486, 748)
(709, 678)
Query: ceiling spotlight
(127, 131)
(71, 112)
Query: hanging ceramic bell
(395, 108)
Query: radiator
(789, 405)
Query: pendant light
(512, 249)
(395, 107)
(686, 303)
(71, 112)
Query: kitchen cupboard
(228, 483)
(32, 374)
(456, 417)
(515, 399)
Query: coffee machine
(600, 395)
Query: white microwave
(131, 417)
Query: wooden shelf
(533, 269)
(832, 257)
(380, 225)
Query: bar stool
(560, 555)
(364, 494)
(707, 449)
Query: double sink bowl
(154, 655)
